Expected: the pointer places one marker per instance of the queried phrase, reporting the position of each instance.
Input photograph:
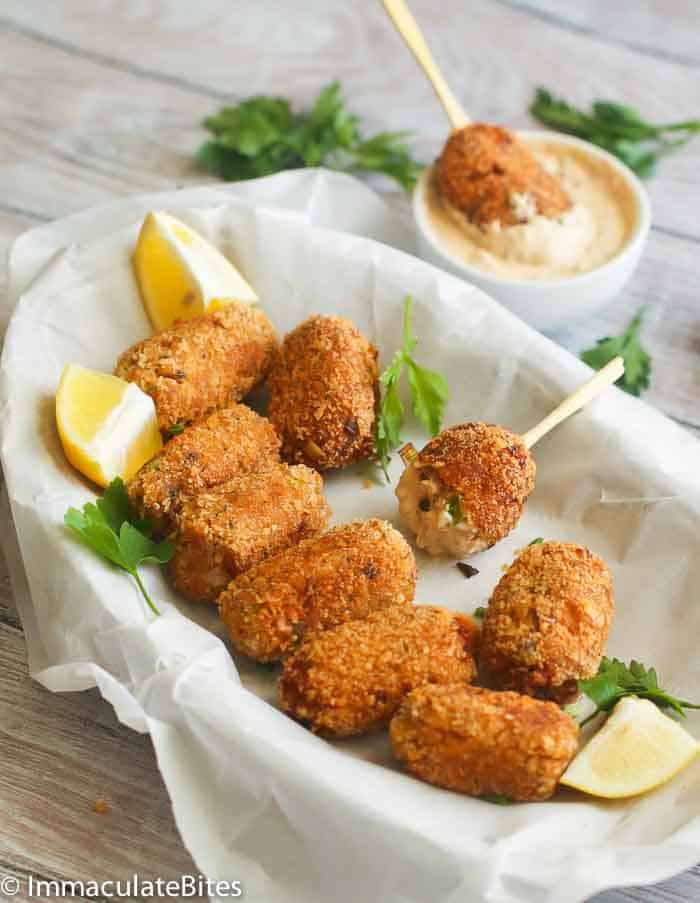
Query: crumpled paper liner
(256, 797)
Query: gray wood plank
(118, 111)
(62, 752)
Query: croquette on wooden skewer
(323, 393)
(227, 529)
(342, 575)
(352, 678)
(479, 742)
(547, 622)
(231, 441)
(199, 365)
(467, 488)
(483, 168)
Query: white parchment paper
(256, 797)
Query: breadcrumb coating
(202, 364)
(324, 393)
(547, 621)
(340, 576)
(229, 442)
(477, 741)
(487, 468)
(351, 679)
(224, 531)
(484, 168)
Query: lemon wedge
(637, 749)
(108, 427)
(180, 274)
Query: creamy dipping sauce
(599, 224)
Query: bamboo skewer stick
(408, 28)
(587, 392)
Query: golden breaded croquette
(224, 531)
(231, 441)
(323, 393)
(547, 621)
(466, 489)
(484, 169)
(351, 679)
(202, 364)
(339, 576)
(479, 742)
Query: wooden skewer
(587, 392)
(408, 28)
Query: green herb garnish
(175, 429)
(538, 540)
(429, 394)
(109, 528)
(262, 135)
(454, 509)
(498, 798)
(615, 680)
(480, 611)
(637, 362)
(617, 128)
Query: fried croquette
(466, 489)
(323, 394)
(202, 364)
(340, 576)
(351, 679)
(479, 742)
(224, 531)
(547, 621)
(229, 442)
(484, 170)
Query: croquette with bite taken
(466, 489)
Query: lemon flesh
(638, 749)
(180, 274)
(108, 427)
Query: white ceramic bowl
(552, 304)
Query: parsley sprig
(429, 394)
(109, 528)
(616, 127)
(263, 135)
(637, 362)
(615, 680)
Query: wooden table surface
(99, 101)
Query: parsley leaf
(617, 128)
(637, 362)
(109, 528)
(262, 135)
(175, 429)
(454, 509)
(428, 389)
(480, 611)
(615, 680)
(538, 540)
(499, 799)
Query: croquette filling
(436, 515)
